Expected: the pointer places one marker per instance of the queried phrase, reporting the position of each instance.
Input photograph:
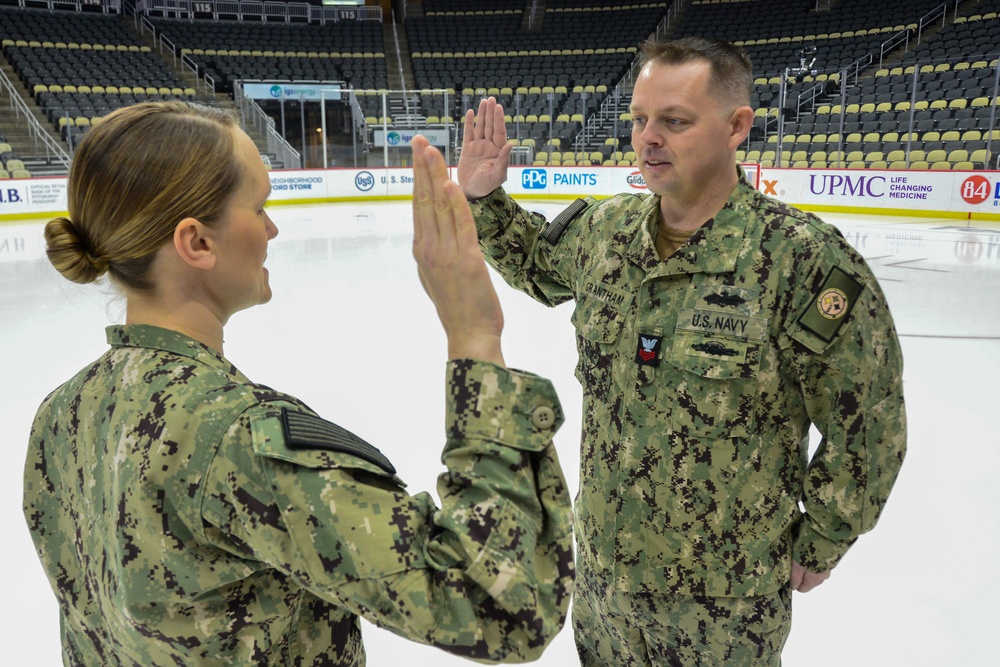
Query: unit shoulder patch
(832, 305)
(306, 431)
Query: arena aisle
(350, 332)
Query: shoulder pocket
(598, 323)
(600, 311)
(312, 442)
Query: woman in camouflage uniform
(185, 515)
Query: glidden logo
(636, 180)
(364, 181)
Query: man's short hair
(732, 72)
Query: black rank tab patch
(832, 305)
(647, 352)
(305, 431)
(554, 230)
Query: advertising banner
(303, 184)
(32, 196)
(885, 191)
(277, 90)
(954, 194)
(559, 182)
(352, 183)
(402, 138)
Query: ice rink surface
(350, 332)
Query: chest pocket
(714, 385)
(598, 323)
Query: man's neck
(690, 215)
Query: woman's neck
(190, 319)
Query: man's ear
(741, 121)
(194, 244)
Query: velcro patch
(305, 431)
(832, 305)
(647, 352)
(554, 230)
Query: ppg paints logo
(364, 181)
(534, 179)
(393, 138)
(636, 180)
(276, 92)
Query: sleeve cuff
(509, 407)
(815, 552)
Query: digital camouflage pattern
(701, 375)
(183, 518)
(642, 629)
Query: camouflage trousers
(615, 629)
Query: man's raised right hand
(482, 166)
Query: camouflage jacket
(184, 515)
(701, 376)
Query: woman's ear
(194, 244)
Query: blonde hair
(133, 178)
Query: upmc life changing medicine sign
(950, 191)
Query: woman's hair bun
(69, 253)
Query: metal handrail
(34, 127)
(941, 10)
(399, 64)
(252, 115)
(891, 43)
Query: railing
(532, 14)
(254, 10)
(188, 63)
(252, 115)
(854, 69)
(901, 37)
(107, 6)
(399, 64)
(939, 12)
(52, 148)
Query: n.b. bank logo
(534, 179)
(276, 92)
(393, 138)
(364, 181)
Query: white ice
(350, 332)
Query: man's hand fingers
(423, 191)
(499, 135)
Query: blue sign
(534, 179)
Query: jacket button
(543, 417)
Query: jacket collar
(167, 340)
(713, 248)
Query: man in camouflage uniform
(187, 516)
(714, 325)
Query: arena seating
(79, 67)
(351, 52)
(864, 85)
